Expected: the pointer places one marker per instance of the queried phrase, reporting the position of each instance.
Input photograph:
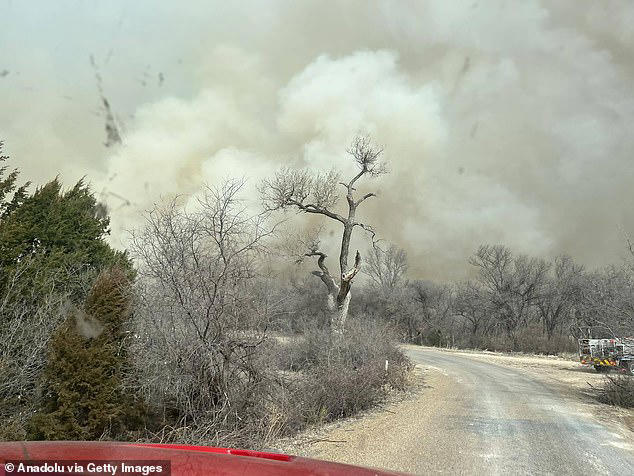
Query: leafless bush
(202, 356)
(297, 304)
(342, 375)
(530, 339)
(618, 390)
(200, 321)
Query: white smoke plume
(503, 121)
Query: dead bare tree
(558, 293)
(607, 300)
(470, 304)
(316, 194)
(433, 310)
(386, 268)
(511, 284)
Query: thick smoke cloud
(503, 121)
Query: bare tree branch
(367, 156)
(365, 197)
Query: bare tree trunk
(338, 300)
(345, 243)
(338, 313)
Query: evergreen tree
(83, 398)
(8, 186)
(62, 232)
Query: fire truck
(604, 354)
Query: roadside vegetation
(193, 336)
(618, 389)
(186, 337)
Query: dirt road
(488, 414)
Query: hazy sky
(503, 121)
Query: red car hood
(183, 459)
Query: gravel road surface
(476, 415)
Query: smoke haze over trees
(506, 122)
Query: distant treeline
(514, 303)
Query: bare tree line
(514, 302)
